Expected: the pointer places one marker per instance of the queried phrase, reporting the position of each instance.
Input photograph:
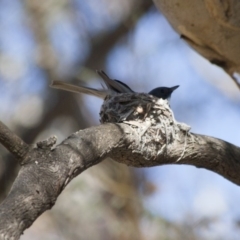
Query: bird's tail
(101, 93)
(113, 86)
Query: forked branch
(137, 130)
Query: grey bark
(148, 135)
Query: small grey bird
(113, 87)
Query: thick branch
(161, 140)
(41, 180)
(149, 136)
(215, 33)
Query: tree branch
(42, 179)
(214, 33)
(148, 136)
(12, 142)
(101, 46)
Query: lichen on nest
(151, 117)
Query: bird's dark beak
(174, 88)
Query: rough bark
(148, 135)
(211, 27)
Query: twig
(13, 143)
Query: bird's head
(163, 92)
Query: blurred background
(42, 41)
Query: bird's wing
(101, 93)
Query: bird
(113, 87)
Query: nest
(151, 117)
(133, 107)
